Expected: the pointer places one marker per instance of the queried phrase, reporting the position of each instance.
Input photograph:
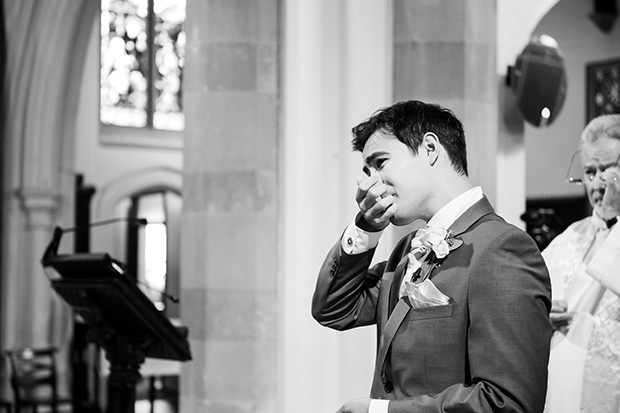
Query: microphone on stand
(134, 221)
(52, 248)
(170, 297)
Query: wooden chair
(6, 406)
(33, 379)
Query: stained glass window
(142, 59)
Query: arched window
(153, 249)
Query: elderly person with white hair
(584, 265)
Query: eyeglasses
(577, 175)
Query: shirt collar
(599, 222)
(450, 212)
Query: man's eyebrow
(597, 164)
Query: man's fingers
(611, 202)
(374, 209)
(611, 179)
(382, 204)
(364, 184)
(379, 215)
(375, 201)
(377, 192)
(368, 199)
(560, 320)
(558, 306)
(390, 211)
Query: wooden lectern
(122, 320)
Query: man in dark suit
(462, 305)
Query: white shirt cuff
(378, 406)
(355, 240)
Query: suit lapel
(399, 273)
(471, 215)
(399, 308)
(467, 219)
(396, 318)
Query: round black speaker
(538, 80)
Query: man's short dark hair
(408, 122)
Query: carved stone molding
(40, 206)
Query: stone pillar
(445, 52)
(39, 304)
(337, 66)
(229, 232)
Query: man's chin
(401, 221)
(603, 213)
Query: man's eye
(380, 163)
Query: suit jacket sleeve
(347, 290)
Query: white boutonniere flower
(438, 240)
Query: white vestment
(584, 365)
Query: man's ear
(430, 144)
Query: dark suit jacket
(485, 351)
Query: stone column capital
(40, 206)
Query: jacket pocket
(438, 311)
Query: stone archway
(46, 45)
(108, 200)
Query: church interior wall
(549, 149)
(326, 50)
